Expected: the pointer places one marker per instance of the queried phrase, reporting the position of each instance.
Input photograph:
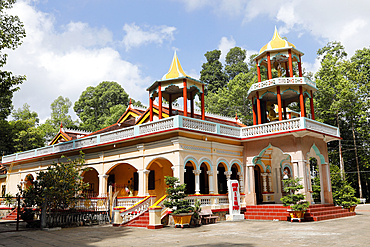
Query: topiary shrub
(295, 200)
(176, 194)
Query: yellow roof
(175, 70)
(276, 43)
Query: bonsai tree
(295, 200)
(345, 197)
(176, 194)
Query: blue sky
(72, 44)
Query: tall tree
(235, 62)
(212, 73)
(94, 105)
(11, 35)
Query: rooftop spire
(276, 43)
(175, 70)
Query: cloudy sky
(73, 44)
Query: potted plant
(195, 219)
(181, 208)
(347, 198)
(296, 201)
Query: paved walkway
(350, 231)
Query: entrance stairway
(11, 216)
(140, 221)
(315, 212)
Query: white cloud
(330, 20)
(224, 46)
(136, 36)
(65, 63)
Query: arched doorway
(124, 180)
(204, 182)
(315, 180)
(91, 177)
(221, 178)
(158, 169)
(189, 178)
(258, 184)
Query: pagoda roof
(276, 43)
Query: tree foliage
(212, 73)
(176, 194)
(59, 185)
(95, 103)
(295, 200)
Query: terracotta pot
(182, 219)
(296, 215)
(352, 208)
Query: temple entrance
(189, 178)
(122, 179)
(258, 184)
(159, 168)
(221, 179)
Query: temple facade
(131, 157)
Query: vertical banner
(234, 201)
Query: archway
(91, 177)
(221, 178)
(158, 169)
(204, 182)
(28, 180)
(189, 177)
(124, 179)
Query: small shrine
(280, 62)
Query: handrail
(156, 204)
(136, 210)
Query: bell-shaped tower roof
(276, 43)
(175, 70)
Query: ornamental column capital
(197, 172)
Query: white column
(210, 182)
(264, 182)
(269, 178)
(103, 182)
(146, 180)
(241, 182)
(197, 183)
(228, 174)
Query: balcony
(184, 124)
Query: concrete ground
(350, 231)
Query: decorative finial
(130, 103)
(61, 125)
(236, 116)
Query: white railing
(281, 81)
(137, 210)
(117, 135)
(127, 201)
(208, 200)
(194, 124)
(95, 204)
(153, 127)
(273, 127)
(321, 127)
(181, 122)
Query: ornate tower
(281, 89)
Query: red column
(258, 71)
(269, 73)
(202, 104)
(170, 105)
(185, 95)
(286, 69)
(290, 64)
(151, 108)
(254, 112)
(259, 108)
(279, 103)
(300, 67)
(311, 106)
(301, 101)
(160, 100)
(192, 105)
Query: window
(151, 182)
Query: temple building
(204, 150)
